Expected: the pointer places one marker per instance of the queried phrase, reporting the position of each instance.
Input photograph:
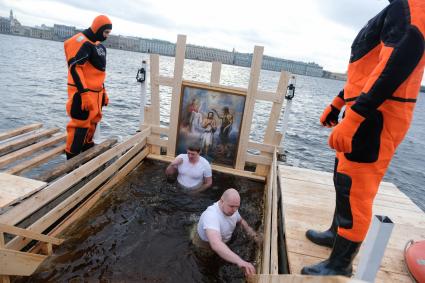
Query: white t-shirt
(213, 218)
(191, 176)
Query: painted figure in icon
(209, 125)
(225, 128)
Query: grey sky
(307, 30)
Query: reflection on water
(139, 232)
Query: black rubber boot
(87, 146)
(340, 262)
(325, 238)
(70, 155)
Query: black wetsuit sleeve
(407, 44)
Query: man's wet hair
(194, 147)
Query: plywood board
(309, 202)
(13, 188)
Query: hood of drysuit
(99, 25)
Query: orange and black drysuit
(86, 58)
(383, 81)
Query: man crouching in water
(194, 171)
(216, 226)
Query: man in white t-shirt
(216, 226)
(194, 171)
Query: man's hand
(330, 115)
(86, 103)
(247, 267)
(342, 135)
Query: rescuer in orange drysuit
(384, 76)
(86, 58)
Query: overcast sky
(318, 31)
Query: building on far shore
(334, 76)
(62, 32)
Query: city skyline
(13, 26)
(297, 30)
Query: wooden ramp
(308, 202)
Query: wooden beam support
(265, 261)
(257, 59)
(57, 188)
(92, 200)
(270, 136)
(217, 168)
(157, 142)
(26, 140)
(165, 81)
(176, 94)
(61, 209)
(274, 259)
(261, 146)
(160, 130)
(155, 117)
(258, 159)
(20, 131)
(27, 151)
(29, 234)
(269, 96)
(215, 73)
(77, 161)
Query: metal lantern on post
(290, 93)
(141, 78)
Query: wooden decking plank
(36, 161)
(383, 276)
(27, 151)
(315, 176)
(20, 131)
(309, 202)
(19, 143)
(76, 161)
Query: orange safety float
(414, 257)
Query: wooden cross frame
(271, 137)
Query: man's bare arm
(217, 245)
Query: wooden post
(257, 59)
(269, 136)
(274, 260)
(175, 100)
(3, 278)
(265, 260)
(154, 118)
(215, 72)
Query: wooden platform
(13, 188)
(309, 202)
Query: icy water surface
(33, 89)
(139, 232)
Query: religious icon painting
(210, 117)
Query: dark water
(33, 89)
(139, 232)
